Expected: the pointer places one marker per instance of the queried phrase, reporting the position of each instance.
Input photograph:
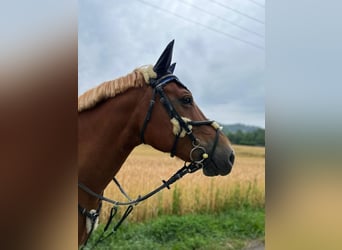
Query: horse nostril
(231, 157)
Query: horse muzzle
(220, 164)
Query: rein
(158, 88)
(93, 216)
(166, 184)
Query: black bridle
(194, 165)
(158, 88)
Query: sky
(219, 49)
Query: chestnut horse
(118, 115)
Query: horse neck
(107, 135)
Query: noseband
(158, 88)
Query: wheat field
(145, 169)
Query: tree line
(253, 138)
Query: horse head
(174, 123)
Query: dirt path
(255, 245)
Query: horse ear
(172, 68)
(164, 61)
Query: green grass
(229, 229)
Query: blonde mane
(108, 89)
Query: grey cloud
(115, 38)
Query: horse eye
(187, 100)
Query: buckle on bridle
(194, 166)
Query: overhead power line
(237, 11)
(203, 25)
(221, 18)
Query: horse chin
(210, 169)
(209, 172)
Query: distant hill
(232, 128)
(241, 134)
